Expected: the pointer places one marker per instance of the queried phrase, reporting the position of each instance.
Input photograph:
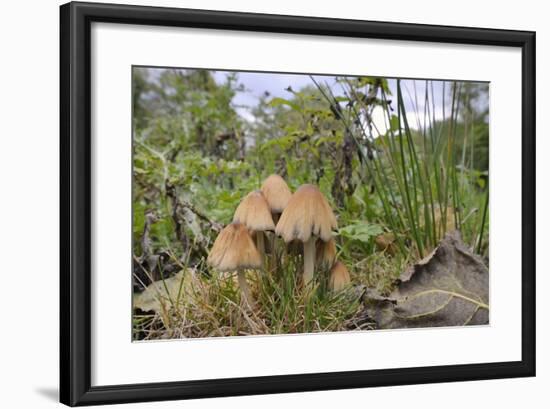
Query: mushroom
(277, 194)
(307, 216)
(339, 277)
(254, 213)
(234, 250)
(325, 253)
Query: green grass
(425, 189)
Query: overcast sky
(256, 84)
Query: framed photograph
(257, 204)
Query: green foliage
(361, 231)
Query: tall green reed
(424, 187)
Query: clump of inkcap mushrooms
(307, 217)
(234, 250)
(304, 217)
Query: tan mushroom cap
(254, 212)
(325, 252)
(234, 249)
(339, 276)
(276, 193)
(307, 213)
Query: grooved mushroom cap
(276, 193)
(339, 276)
(307, 213)
(254, 212)
(234, 249)
(325, 252)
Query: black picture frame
(76, 199)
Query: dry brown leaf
(449, 287)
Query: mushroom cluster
(304, 217)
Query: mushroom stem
(273, 243)
(260, 243)
(244, 286)
(309, 260)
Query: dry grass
(201, 306)
(378, 271)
